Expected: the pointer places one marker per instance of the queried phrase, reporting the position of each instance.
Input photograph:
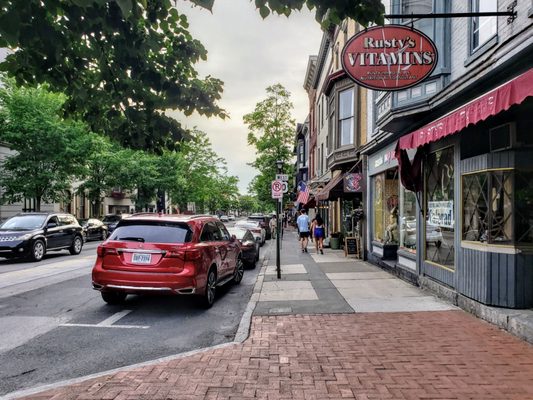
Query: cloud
(249, 54)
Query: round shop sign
(390, 57)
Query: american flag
(303, 196)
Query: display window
(408, 213)
(497, 207)
(439, 226)
(386, 210)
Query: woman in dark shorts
(319, 232)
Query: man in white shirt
(303, 229)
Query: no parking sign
(277, 189)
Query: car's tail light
(185, 255)
(103, 251)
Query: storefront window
(439, 206)
(488, 207)
(524, 207)
(386, 207)
(379, 230)
(407, 220)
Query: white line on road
(108, 322)
(109, 326)
(114, 318)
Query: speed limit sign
(277, 189)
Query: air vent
(503, 137)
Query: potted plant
(335, 240)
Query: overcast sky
(249, 54)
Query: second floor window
(483, 28)
(346, 117)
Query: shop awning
(500, 99)
(323, 194)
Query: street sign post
(277, 189)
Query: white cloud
(249, 54)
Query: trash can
(335, 243)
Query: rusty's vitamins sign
(390, 57)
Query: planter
(335, 243)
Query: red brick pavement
(423, 355)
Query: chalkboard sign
(351, 246)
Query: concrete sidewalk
(333, 328)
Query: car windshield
(24, 222)
(152, 232)
(248, 224)
(112, 218)
(239, 233)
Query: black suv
(31, 235)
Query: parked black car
(111, 221)
(93, 229)
(31, 235)
(265, 223)
(249, 246)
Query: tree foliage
(121, 63)
(271, 132)
(48, 151)
(328, 12)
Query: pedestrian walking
(273, 226)
(319, 232)
(303, 229)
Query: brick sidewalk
(423, 355)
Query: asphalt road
(54, 326)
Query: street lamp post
(279, 165)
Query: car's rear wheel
(76, 246)
(239, 271)
(210, 289)
(38, 250)
(114, 298)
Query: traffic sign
(285, 187)
(282, 177)
(277, 189)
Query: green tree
(248, 204)
(48, 150)
(121, 63)
(102, 162)
(271, 132)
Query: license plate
(141, 258)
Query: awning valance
(500, 99)
(323, 194)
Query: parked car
(32, 235)
(231, 217)
(249, 246)
(224, 218)
(255, 227)
(93, 229)
(433, 234)
(264, 220)
(167, 254)
(111, 221)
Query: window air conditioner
(503, 137)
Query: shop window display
(386, 208)
(440, 208)
(408, 220)
(488, 207)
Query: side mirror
(233, 238)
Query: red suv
(170, 254)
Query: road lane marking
(108, 326)
(114, 318)
(108, 322)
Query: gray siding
(497, 279)
(440, 274)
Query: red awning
(500, 99)
(324, 193)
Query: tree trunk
(38, 203)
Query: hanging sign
(390, 57)
(353, 183)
